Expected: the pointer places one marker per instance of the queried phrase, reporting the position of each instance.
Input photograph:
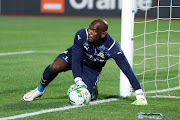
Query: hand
(79, 82)
(141, 100)
(72, 87)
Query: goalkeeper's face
(97, 30)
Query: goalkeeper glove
(79, 82)
(141, 100)
(72, 87)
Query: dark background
(32, 7)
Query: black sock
(47, 77)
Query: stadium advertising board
(52, 6)
(85, 7)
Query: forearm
(128, 71)
(76, 62)
(124, 65)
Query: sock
(139, 91)
(40, 88)
(47, 77)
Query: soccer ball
(79, 96)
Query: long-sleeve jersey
(95, 57)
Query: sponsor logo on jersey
(101, 55)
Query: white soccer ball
(79, 96)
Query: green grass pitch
(47, 37)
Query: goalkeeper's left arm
(124, 65)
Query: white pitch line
(15, 53)
(164, 90)
(48, 52)
(45, 51)
(56, 109)
(28, 52)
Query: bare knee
(58, 65)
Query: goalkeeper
(92, 47)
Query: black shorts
(66, 56)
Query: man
(92, 47)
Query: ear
(103, 34)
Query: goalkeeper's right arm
(79, 82)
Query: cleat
(94, 93)
(141, 100)
(30, 96)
